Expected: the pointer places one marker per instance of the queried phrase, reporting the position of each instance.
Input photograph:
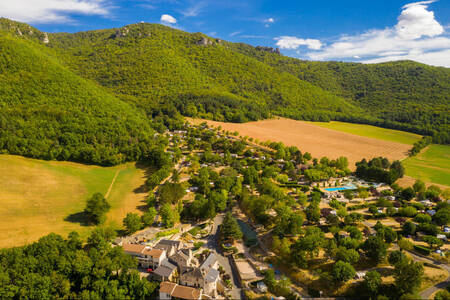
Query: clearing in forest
(39, 197)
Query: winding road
(425, 294)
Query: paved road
(236, 291)
(425, 294)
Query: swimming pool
(341, 188)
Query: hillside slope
(49, 112)
(150, 63)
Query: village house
(165, 272)
(169, 290)
(206, 276)
(183, 259)
(147, 257)
(171, 247)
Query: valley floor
(317, 140)
(39, 197)
(355, 141)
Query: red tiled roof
(153, 252)
(133, 248)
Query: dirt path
(112, 183)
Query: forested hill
(94, 96)
(49, 112)
(155, 63)
(151, 64)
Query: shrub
(422, 249)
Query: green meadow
(371, 131)
(431, 165)
(39, 197)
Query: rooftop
(212, 275)
(133, 248)
(209, 262)
(179, 291)
(163, 271)
(153, 252)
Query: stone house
(147, 257)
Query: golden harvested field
(38, 197)
(319, 141)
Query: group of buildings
(180, 273)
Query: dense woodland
(100, 96)
(59, 268)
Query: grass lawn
(431, 165)
(39, 197)
(371, 131)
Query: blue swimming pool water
(341, 188)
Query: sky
(347, 30)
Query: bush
(422, 249)
(197, 245)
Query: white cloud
(194, 10)
(51, 11)
(417, 36)
(416, 21)
(267, 22)
(168, 19)
(435, 58)
(235, 33)
(292, 42)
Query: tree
(408, 211)
(395, 257)
(375, 248)
(408, 275)
(347, 255)
(171, 193)
(398, 168)
(372, 282)
(363, 194)
(433, 241)
(389, 235)
(132, 223)
(342, 272)
(311, 242)
(169, 216)
(96, 208)
(349, 194)
(419, 186)
(230, 228)
(313, 213)
(404, 244)
(408, 193)
(148, 217)
(409, 228)
(422, 218)
(442, 216)
(355, 233)
(442, 295)
(307, 156)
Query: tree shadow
(79, 217)
(143, 208)
(148, 170)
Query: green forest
(100, 96)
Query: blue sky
(348, 30)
